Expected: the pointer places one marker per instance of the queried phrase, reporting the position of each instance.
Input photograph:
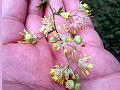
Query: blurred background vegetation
(107, 23)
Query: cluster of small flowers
(64, 75)
(47, 25)
(85, 8)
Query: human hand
(31, 63)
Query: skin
(26, 67)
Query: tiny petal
(74, 27)
(56, 47)
(87, 57)
(77, 78)
(72, 31)
(90, 66)
(65, 51)
(85, 72)
(45, 32)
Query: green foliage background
(107, 23)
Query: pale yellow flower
(57, 74)
(29, 37)
(74, 27)
(47, 25)
(65, 76)
(84, 65)
(85, 8)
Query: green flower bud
(77, 86)
(70, 84)
(68, 39)
(53, 39)
(78, 39)
(29, 37)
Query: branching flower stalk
(69, 41)
(53, 14)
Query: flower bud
(28, 37)
(78, 39)
(77, 86)
(53, 39)
(68, 39)
(70, 84)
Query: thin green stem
(57, 32)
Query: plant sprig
(64, 75)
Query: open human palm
(27, 67)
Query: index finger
(13, 14)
